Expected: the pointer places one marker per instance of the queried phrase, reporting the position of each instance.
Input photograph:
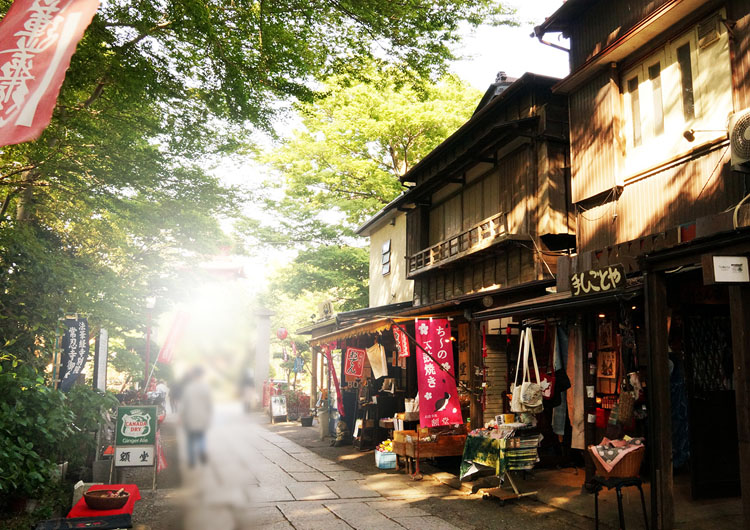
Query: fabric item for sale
(680, 423)
(560, 412)
(378, 363)
(610, 452)
(575, 369)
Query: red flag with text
(438, 397)
(37, 40)
(402, 342)
(173, 337)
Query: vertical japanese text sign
(438, 397)
(75, 351)
(37, 40)
(355, 362)
(402, 342)
(135, 436)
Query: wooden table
(443, 445)
(81, 509)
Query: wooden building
(485, 213)
(658, 95)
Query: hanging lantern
(282, 333)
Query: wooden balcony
(479, 237)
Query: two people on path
(196, 408)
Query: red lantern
(281, 333)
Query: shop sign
(594, 281)
(463, 353)
(725, 269)
(438, 397)
(135, 456)
(136, 426)
(75, 351)
(402, 342)
(354, 362)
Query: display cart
(409, 446)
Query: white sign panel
(135, 456)
(731, 269)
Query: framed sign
(278, 406)
(136, 425)
(135, 436)
(606, 365)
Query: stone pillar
(262, 348)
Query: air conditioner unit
(739, 137)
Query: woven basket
(629, 466)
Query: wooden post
(314, 377)
(475, 359)
(739, 306)
(659, 404)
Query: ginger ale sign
(136, 426)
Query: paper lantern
(281, 333)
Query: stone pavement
(258, 478)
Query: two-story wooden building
(658, 96)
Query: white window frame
(386, 258)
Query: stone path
(259, 479)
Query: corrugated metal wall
(737, 10)
(592, 139)
(667, 199)
(497, 376)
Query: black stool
(618, 483)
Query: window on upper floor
(386, 261)
(685, 84)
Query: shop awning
(556, 302)
(371, 326)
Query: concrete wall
(392, 287)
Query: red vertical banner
(438, 397)
(402, 342)
(354, 362)
(175, 332)
(37, 40)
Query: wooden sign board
(607, 279)
(278, 406)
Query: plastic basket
(385, 460)
(628, 466)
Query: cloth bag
(526, 397)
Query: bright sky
(512, 50)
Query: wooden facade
(650, 200)
(485, 199)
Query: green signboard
(136, 426)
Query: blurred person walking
(196, 407)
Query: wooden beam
(314, 377)
(475, 359)
(739, 305)
(659, 413)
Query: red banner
(175, 332)
(402, 342)
(438, 397)
(355, 362)
(37, 40)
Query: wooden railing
(475, 238)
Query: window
(386, 257)
(684, 85)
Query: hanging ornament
(282, 333)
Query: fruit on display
(385, 446)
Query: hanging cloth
(376, 355)
(332, 369)
(574, 368)
(559, 412)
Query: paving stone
(268, 493)
(423, 523)
(301, 510)
(363, 517)
(352, 490)
(314, 476)
(260, 517)
(204, 517)
(225, 496)
(394, 509)
(344, 475)
(311, 491)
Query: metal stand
(503, 494)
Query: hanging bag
(515, 402)
(548, 378)
(531, 393)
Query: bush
(34, 420)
